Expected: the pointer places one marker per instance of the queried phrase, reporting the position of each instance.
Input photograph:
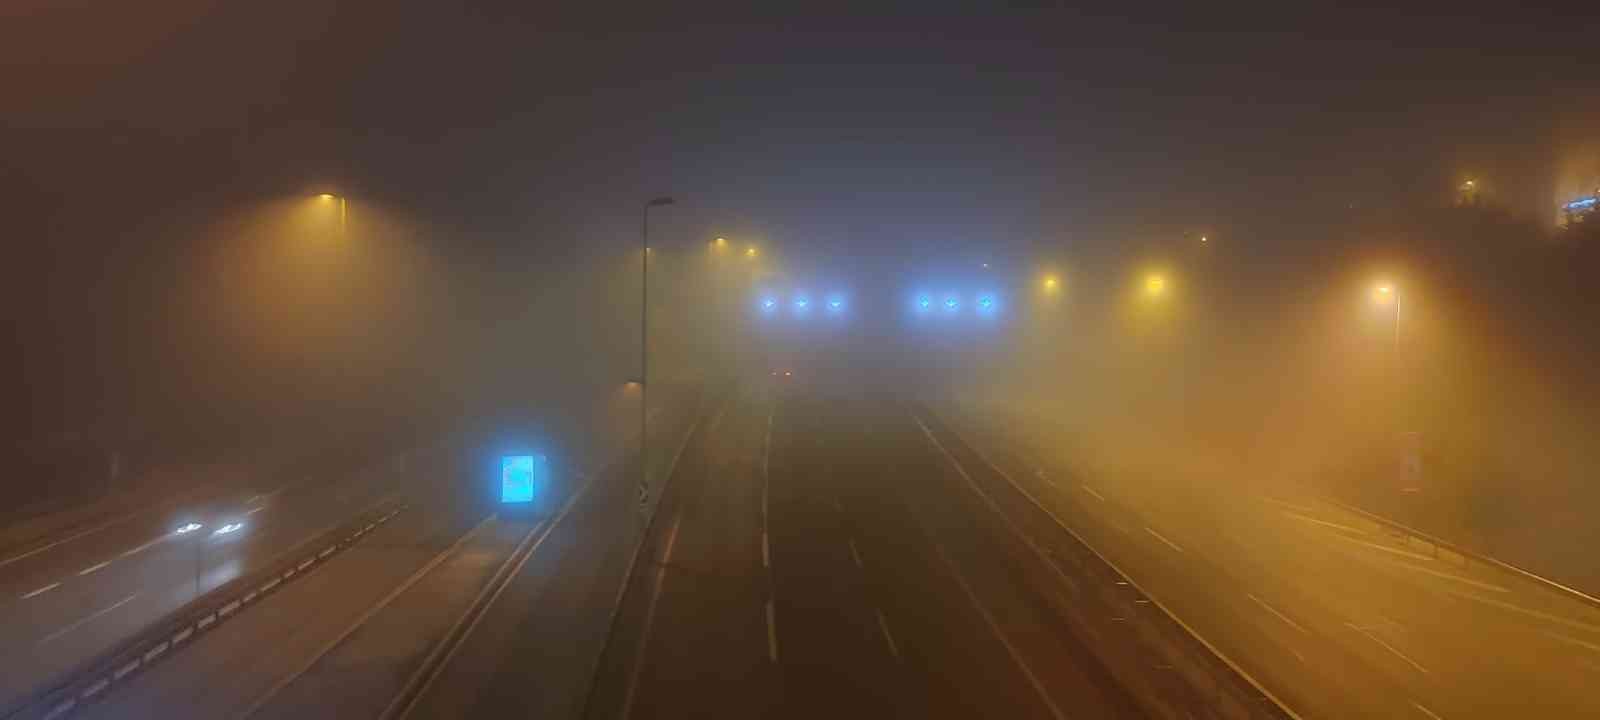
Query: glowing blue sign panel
(520, 475)
(1582, 203)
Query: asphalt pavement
(1332, 613)
(68, 599)
(820, 554)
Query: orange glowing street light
(750, 252)
(1155, 285)
(344, 210)
(1383, 295)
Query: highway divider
(1467, 555)
(93, 679)
(1173, 671)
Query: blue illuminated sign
(521, 475)
(1582, 203)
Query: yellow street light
(1155, 285)
(344, 209)
(750, 252)
(1051, 284)
(1383, 294)
(720, 243)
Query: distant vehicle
(222, 520)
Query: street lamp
(644, 350)
(344, 210)
(1155, 285)
(750, 252)
(1385, 294)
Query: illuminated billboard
(521, 476)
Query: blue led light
(985, 302)
(802, 303)
(769, 304)
(950, 304)
(924, 302)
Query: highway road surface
(820, 554)
(1332, 613)
(823, 549)
(66, 599)
(346, 638)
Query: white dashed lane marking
(41, 591)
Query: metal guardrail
(94, 678)
(1162, 640)
(1469, 554)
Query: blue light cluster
(802, 304)
(983, 303)
(1582, 203)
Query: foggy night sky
(532, 136)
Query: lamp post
(644, 351)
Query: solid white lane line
(1384, 548)
(650, 616)
(1286, 504)
(1091, 491)
(1068, 529)
(1277, 614)
(854, 554)
(1572, 641)
(1587, 627)
(80, 623)
(41, 591)
(1388, 647)
(888, 637)
(1426, 711)
(422, 679)
(1449, 576)
(93, 568)
(994, 627)
(766, 554)
(361, 620)
(772, 634)
(1163, 538)
(1325, 523)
